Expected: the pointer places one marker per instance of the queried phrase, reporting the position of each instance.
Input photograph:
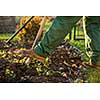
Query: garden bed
(64, 65)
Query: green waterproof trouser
(92, 38)
(61, 26)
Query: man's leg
(92, 36)
(56, 34)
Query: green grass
(4, 36)
(7, 36)
(93, 75)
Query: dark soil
(64, 65)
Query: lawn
(93, 75)
(5, 36)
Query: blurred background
(8, 23)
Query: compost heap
(64, 65)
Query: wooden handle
(40, 31)
(37, 36)
(95, 67)
(92, 66)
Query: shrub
(28, 34)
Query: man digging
(61, 26)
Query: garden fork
(39, 34)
